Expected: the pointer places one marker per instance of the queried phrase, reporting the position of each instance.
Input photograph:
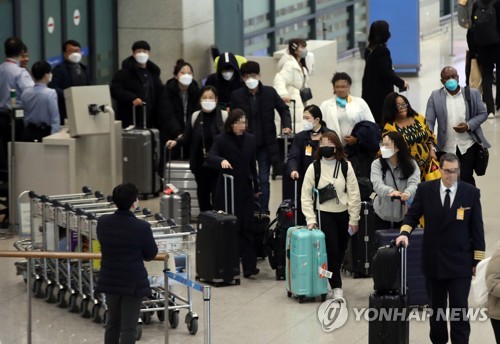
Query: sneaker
(337, 293)
(491, 115)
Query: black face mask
(327, 152)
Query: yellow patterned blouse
(417, 137)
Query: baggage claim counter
(87, 152)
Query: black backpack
(484, 23)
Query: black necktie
(447, 200)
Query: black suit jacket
(451, 247)
(125, 243)
(61, 80)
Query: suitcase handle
(316, 194)
(295, 204)
(134, 115)
(294, 115)
(226, 178)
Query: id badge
(460, 214)
(309, 150)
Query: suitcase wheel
(301, 298)
(323, 297)
(289, 294)
(237, 282)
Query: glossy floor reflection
(259, 311)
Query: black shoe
(253, 273)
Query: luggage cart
(174, 243)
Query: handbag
(478, 288)
(483, 156)
(327, 193)
(433, 171)
(305, 92)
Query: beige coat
(493, 284)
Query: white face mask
(208, 105)
(303, 53)
(186, 79)
(75, 57)
(252, 83)
(141, 58)
(307, 125)
(387, 153)
(227, 75)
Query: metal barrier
(80, 255)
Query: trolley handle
(231, 179)
(316, 194)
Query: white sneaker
(491, 115)
(338, 293)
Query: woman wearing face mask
(226, 79)
(200, 131)
(400, 117)
(179, 100)
(292, 74)
(394, 175)
(304, 147)
(233, 152)
(339, 212)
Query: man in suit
(459, 113)
(125, 243)
(453, 245)
(71, 72)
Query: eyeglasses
(451, 171)
(401, 106)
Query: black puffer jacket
(125, 243)
(263, 126)
(225, 88)
(127, 86)
(172, 119)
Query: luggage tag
(323, 273)
(461, 213)
(309, 150)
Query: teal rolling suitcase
(306, 264)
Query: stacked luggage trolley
(68, 223)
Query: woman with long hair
(399, 116)
(395, 176)
(379, 77)
(339, 210)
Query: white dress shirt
(456, 108)
(453, 192)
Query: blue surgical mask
(451, 85)
(341, 102)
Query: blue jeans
(264, 168)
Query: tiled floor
(258, 311)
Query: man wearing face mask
(459, 121)
(71, 72)
(259, 102)
(137, 83)
(41, 114)
(227, 79)
(453, 245)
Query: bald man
(459, 113)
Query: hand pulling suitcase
(389, 312)
(306, 263)
(176, 205)
(359, 253)
(217, 253)
(261, 223)
(141, 149)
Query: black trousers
(206, 183)
(382, 224)
(335, 226)
(488, 57)
(457, 292)
(122, 318)
(467, 162)
(496, 329)
(35, 133)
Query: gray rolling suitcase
(141, 149)
(175, 205)
(182, 177)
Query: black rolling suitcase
(141, 152)
(389, 304)
(217, 253)
(286, 217)
(280, 169)
(359, 254)
(261, 223)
